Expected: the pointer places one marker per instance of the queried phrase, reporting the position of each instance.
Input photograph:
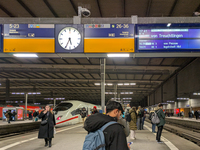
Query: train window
(63, 106)
(76, 112)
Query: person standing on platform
(196, 113)
(94, 111)
(161, 116)
(35, 115)
(14, 114)
(8, 115)
(150, 117)
(139, 118)
(132, 123)
(182, 114)
(122, 121)
(46, 130)
(83, 114)
(115, 138)
(127, 111)
(143, 119)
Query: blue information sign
(168, 37)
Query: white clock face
(69, 38)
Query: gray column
(102, 68)
(115, 92)
(7, 90)
(26, 101)
(54, 103)
(34, 96)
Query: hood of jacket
(131, 110)
(96, 121)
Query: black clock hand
(67, 44)
(70, 41)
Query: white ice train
(68, 112)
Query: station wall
(158, 95)
(169, 90)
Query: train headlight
(59, 117)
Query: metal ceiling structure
(75, 78)
(99, 8)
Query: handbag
(44, 122)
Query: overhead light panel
(126, 83)
(196, 93)
(109, 84)
(183, 98)
(118, 55)
(120, 84)
(132, 83)
(97, 84)
(26, 55)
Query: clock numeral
(65, 30)
(69, 47)
(74, 30)
(60, 38)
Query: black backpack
(128, 117)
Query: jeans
(9, 119)
(143, 122)
(139, 123)
(159, 133)
(153, 127)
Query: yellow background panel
(109, 45)
(29, 45)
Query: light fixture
(169, 24)
(17, 93)
(33, 93)
(97, 84)
(170, 101)
(58, 98)
(183, 98)
(37, 103)
(118, 55)
(0, 83)
(120, 84)
(25, 55)
(109, 84)
(132, 83)
(48, 98)
(126, 93)
(126, 83)
(127, 98)
(196, 93)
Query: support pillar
(26, 101)
(34, 96)
(115, 92)
(7, 90)
(54, 103)
(102, 69)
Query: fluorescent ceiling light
(25, 55)
(17, 93)
(118, 55)
(196, 93)
(97, 84)
(169, 24)
(109, 84)
(132, 83)
(120, 84)
(126, 83)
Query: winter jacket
(126, 127)
(47, 130)
(83, 113)
(161, 116)
(140, 113)
(115, 137)
(132, 123)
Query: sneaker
(160, 141)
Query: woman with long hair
(48, 123)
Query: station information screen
(176, 37)
(29, 38)
(109, 38)
(1, 39)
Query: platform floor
(72, 138)
(188, 119)
(14, 122)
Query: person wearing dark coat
(196, 113)
(161, 116)
(115, 138)
(46, 131)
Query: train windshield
(63, 106)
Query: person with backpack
(139, 118)
(150, 117)
(104, 133)
(127, 111)
(132, 123)
(161, 116)
(8, 115)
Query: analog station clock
(69, 38)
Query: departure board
(173, 38)
(109, 38)
(29, 38)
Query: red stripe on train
(67, 120)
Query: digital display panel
(1, 38)
(20, 114)
(109, 38)
(176, 37)
(29, 38)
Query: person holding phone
(48, 123)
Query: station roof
(99, 8)
(75, 78)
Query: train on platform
(68, 112)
